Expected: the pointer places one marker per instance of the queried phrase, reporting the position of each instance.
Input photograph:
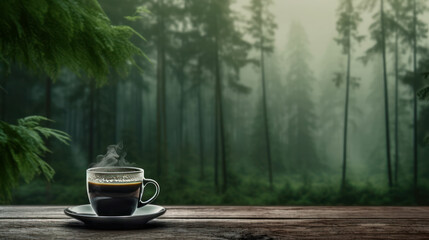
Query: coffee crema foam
(114, 178)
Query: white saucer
(141, 216)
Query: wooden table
(229, 222)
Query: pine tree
(400, 23)
(417, 31)
(300, 106)
(224, 51)
(185, 51)
(379, 33)
(119, 14)
(202, 18)
(261, 28)
(197, 78)
(414, 42)
(347, 28)
(386, 95)
(158, 19)
(396, 16)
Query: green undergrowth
(180, 190)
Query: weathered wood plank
(241, 212)
(223, 229)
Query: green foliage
(262, 25)
(423, 93)
(301, 121)
(219, 39)
(22, 148)
(46, 35)
(398, 20)
(194, 36)
(417, 82)
(347, 25)
(137, 15)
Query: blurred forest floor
(190, 190)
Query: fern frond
(22, 148)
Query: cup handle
(146, 182)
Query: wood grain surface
(229, 222)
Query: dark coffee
(114, 199)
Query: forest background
(247, 102)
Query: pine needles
(46, 35)
(423, 93)
(21, 149)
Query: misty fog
(291, 154)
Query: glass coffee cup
(117, 191)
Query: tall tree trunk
(220, 109)
(139, 118)
(181, 122)
(97, 121)
(114, 111)
(222, 139)
(200, 130)
(74, 115)
(48, 97)
(216, 138)
(396, 106)
(265, 112)
(48, 108)
(148, 145)
(164, 116)
(119, 119)
(386, 95)
(415, 167)
(3, 99)
(159, 122)
(91, 121)
(346, 115)
(217, 103)
(48, 103)
(161, 99)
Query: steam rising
(113, 157)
